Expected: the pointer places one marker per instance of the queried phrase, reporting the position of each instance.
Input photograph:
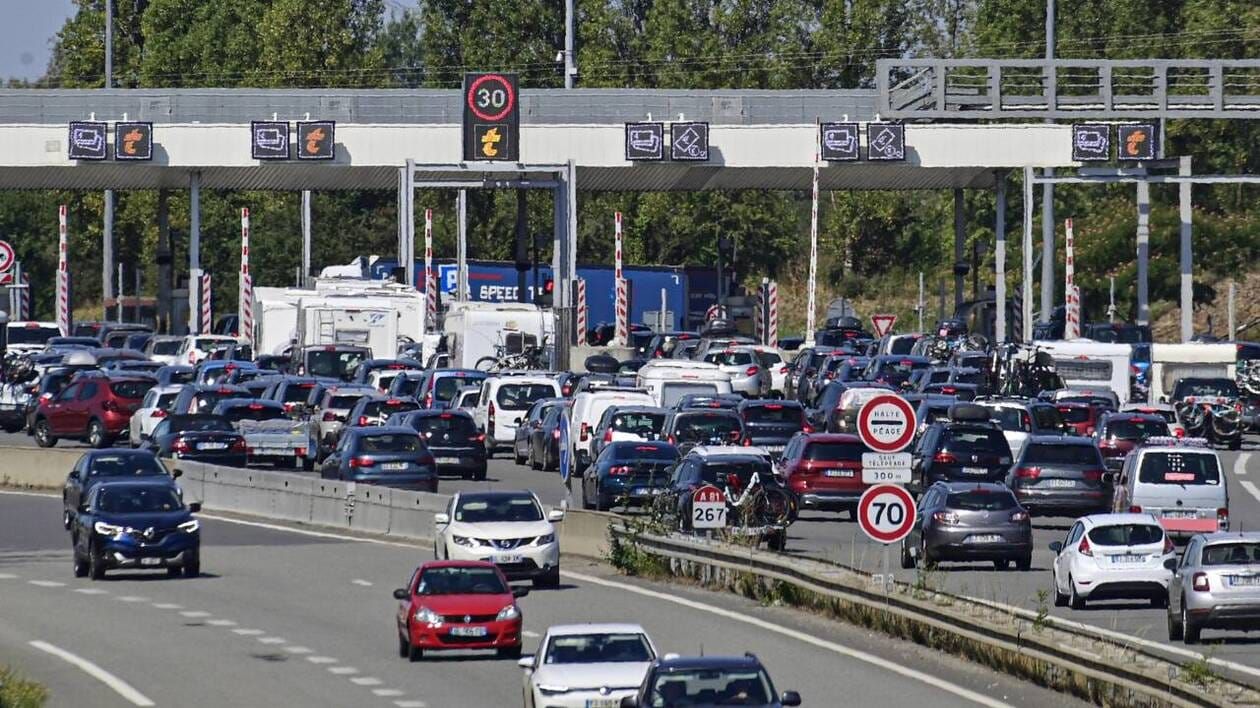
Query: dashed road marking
(321, 659)
(132, 598)
(167, 606)
(363, 583)
(248, 632)
(91, 591)
(366, 681)
(342, 670)
(1240, 465)
(220, 623)
(299, 650)
(411, 704)
(531, 635)
(8, 576)
(46, 583)
(1251, 488)
(192, 614)
(271, 640)
(387, 692)
(116, 684)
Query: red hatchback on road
(824, 470)
(95, 409)
(458, 605)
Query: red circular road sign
(886, 513)
(7, 257)
(886, 423)
(708, 493)
(490, 97)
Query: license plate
(837, 473)
(773, 448)
(1130, 558)
(975, 470)
(150, 561)
(446, 460)
(211, 446)
(1240, 581)
(1180, 515)
(1059, 483)
(983, 538)
(603, 702)
(394, 466)
(507, 558)
(468, 631)
(640, 491)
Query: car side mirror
(1170, 564)
(1057, 546)
(441, 519)
(517, 421)
(401, 594)
(630, 702)
(520, 592)
(555, 515)
(790, 698)
(194, 507)
(177, 473)
(526, 662)
(83, 508)
(1109, 478)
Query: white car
(164, 349)
(1112, 556)
(588, 409)
(772, 361)
(587, 666)
(198, 346)
(507, 528)
(504, 399)
(155, 406)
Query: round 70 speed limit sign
(886, 513)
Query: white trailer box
(275, 318)
(346, 319)
(479, 329)
(1170, 362)
(668, 380)
(1084, 364)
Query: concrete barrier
(585, 533)
(36, 468)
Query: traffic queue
(943, 444)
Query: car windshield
(199, 423)
(1136, 429)
(389, 443)
(1011, 419)
(710, 687)
(253, 411)
(1042, 454)
(1179, 468)
(729, 358)
(124, 464)
(641, 424)
(981, 499)
(1126, 535)
(1074, 414)
(445, 424)
(970, 440)
(130, 389)
(488, 509)
(332, 363)
(773, 413)
(520, 396)
(1206, 388)
(672, 392)
(598, 649)
(622, 452)
(461, 581)
(704, 427)
(138, 500)
(445, 387)
(31, 334)
(1234, 553)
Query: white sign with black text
(885, 467)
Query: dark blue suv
(709, 680)
(136, 524)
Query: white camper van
(480, 329)
(1170, 362)
(1086, 364)
(348, 319)
(668, 380)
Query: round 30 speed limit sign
(886, 513)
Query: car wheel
(1159, 601)
(1075, 601)
(404, 647)
(43, 434)
(192, 565)
(1189, 630)
(481, 475)
(586, 499)
(550, 580)
(777, 541)
(96, 435)
(414, 653)
(1060, 600)
(80, 566)
(173, 571)
(517, 457)
(509, 652)
(600, 503)
(1024, 564)
(96, 563)
(1002, 564)
(1174, 627)
(530, 460)
(907, 560)
(925, 555)
(66, 520)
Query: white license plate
(446, 460)
(507, 558)
(1180, 515)
(837, 473)
(394, 466)
(975, 470)
(644, 491)
(773, 448)
(211, 446)
(150, 561)
(1240, 581)
(1130, 558)
(468, 631)
(603, 702)
(984, 538)
(1059, 483)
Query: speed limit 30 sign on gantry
(492, 117)
(886, 513)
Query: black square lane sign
(689, 141)
(885, 141)
(645, 141)
(493, 141)
(269, 140)
(317, 140)
(1136, 141)
(839, 142)
(1091, 142)
(87, 141)
(133, 141)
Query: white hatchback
(1112, 556)
(155, 406)
(504, 400)
(507, 528)
(587, 666)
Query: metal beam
(1027, 252)
(960, 236)
(461, 252)
(107, 250)
(194, 221)
(306, 236)
(1143, 252)
(1152, 179)
(1047, 249)
(1187, 253)
(999, 261)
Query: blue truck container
(496, 281)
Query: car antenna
(701, 649)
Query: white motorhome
(406, 300)
(1086, 364)
(1170, 362)
(668, 380)
(479, 329)
(275, 318)
(348, 319)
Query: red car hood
(464, 604)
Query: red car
(1119, 433)
(1082, 418)
(458, 605)
(95, 409)
(824, 470)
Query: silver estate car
(1215, 586)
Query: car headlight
(551, 689)
(508, 613)
(105, 529)
(426, 616)
(190, 526)
(544, 540)
(464, 541)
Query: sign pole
(813, 253)
(1072, 304)
(245, 306)
(621, 311)
(63, 275)
(430, 293)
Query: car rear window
(333, 363)
(389, 407)
(1047, 418)
(130, 389)
(520, 396)
(642, 424)
(205, 401)
(165, 347)
(1126, 535)
(1012, 419)
(252, 412)
(972, 440)
(773, 413)
(1074, 414)
(31, 334)
(704, 427)
(1179, 468)
(297, 393)
(390, 442)
(981, 500)
(345, 401)
(1136, 429)
(429, 425)
(165, 401)
(729, 358)
(1042, 454)
(673, 392)
(718, 471)
(833, 452)
(1237, 553)
(445, 387)
(663, 453)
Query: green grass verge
(17, 692)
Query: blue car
(136, 525)
(388, 455)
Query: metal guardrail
(1068, 88)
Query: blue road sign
(566, 461)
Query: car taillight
(1093, 475)
(671, 440)
(807, 428)
(1019, 516)
(362, 462)
(732, 481)
(110, 406)
(1222, 519)
(428, 400)
(1135, 509)
(751, 371)
(1084, 548)
(1028, 472)
(479, 437)
(620, 470)
(608, 435)
(159, 413)
(783, 370)
(585, 432)
(288, 407)
(944, 458)
(1168, 544)
(363, 420)
(490, 410)
(948, 518)
(1200, 582)
(1179, 432)
(329, 416)
(239, 445)
(747, 442)
(181, 446)
(734, 434)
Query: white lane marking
(362, 583)
(46, 583)
(1251, 488)
(531, 635)
(248, 632)
(167, 606)
(342, 670)
(193, 614)
(411, 704)
(49, 495)
(418, 543)
(299, 650)
(321, 659)
(91, 591)
(1240, 465)
(116, 684)
(132, 598)
(271, 640)
(387, 692)
(366, 681)
(8, 576)
(221, 623)
(800, 636)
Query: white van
(588, 409)
(1170, 362)
(1178, 480)
(504, 399)
(1086, 364)
(668, 380)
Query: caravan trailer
(1086, 364)
(1170, 362)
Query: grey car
(1061, 475)
(969, 522)
(1216, 585)
(747, 376)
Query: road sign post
(708, 508)
(566, 458)
(886, 513)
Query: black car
(965, 448)
(728, 401)
(391, 456)
(376, 409)
(732, 470)
(628, 473)
(200, 437)
(529, 424)
(98, 466)
(136, 524)
(407, 383)
(291, 392)
(709, 681)
(544, 442)
(194, 399)
(1062, 475)
(452, 437)
(690, 427)
(770, 424)
(175, 374)
(273, 362)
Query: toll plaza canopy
(756, 139)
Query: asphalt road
(285, 618)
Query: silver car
(748, 377)
(1215, 586)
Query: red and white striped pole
(622, 306)
(430, 292)
(207, 315)
(772, 319)
(63, 275)
(1071, 299)
(581, 312)
(245, 311)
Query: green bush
(17, 692)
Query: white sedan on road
(587, 666)
(1109, 557)
(507, 528)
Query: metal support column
(401, 250)
(107, 250)
(999, 259)
(306, 237)
(960, 236)
(194, 221)
(1187, 252)
(1027, 249)
(165, 309)
(1047, 249)
(1143, 252)
(461, 286)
